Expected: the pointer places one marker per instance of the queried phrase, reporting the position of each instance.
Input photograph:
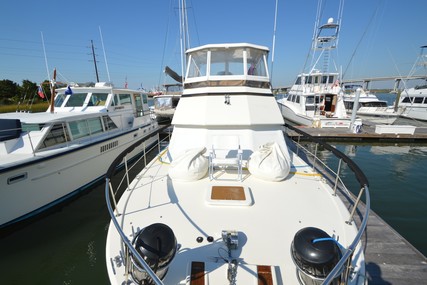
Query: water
(67, 245)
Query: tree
(9, 92)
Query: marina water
(67, 245)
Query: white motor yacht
(369, 107)
(316, 97)
(50, 156)
(228, 201)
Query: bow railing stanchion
(355, 205)
(337, 177)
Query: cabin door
(138, 105)
(330, 103)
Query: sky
(135, 40)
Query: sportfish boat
(316, 98)
(49, 156)
(369, 107)
(228, 202)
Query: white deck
(275, 211)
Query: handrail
(110, 172)
(364, 184)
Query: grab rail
(364, 184)
(108, 187)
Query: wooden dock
(367, 134)
(391, 259)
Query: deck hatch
(229, 196)
(228, 193)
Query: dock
(366, 134)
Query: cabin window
(324, 79)
(115, 100)
(31, 127)
(108, 123)
(76, 100)
(79, 129)
(145, 98)
(298, 82)
(407, 100)
(98, 99)
(197, 64)
(95, 125)
(331, 79)
(418, 100)
(58, 134)
(297, 99)
(309, 100)
(309, 79)
(316, 79)
(59, 99)
(125, 99)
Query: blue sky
(141, 37)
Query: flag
(40, 91)
(68, 91)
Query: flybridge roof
(228, 45)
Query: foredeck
(266, 215)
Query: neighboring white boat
(164, 105)
(413, 101)
(316, 98)
(47, 157)
(370, 108)
(228, 202)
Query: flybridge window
(76, 100)
(198, 63)
(227, 62)
(256, 62)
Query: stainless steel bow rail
(334, 178)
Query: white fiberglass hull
(318, 122)
(35, 186)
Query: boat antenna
(274, 41)
(94, 61)
(45, 57)
(105, 56)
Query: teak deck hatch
(229, 195)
